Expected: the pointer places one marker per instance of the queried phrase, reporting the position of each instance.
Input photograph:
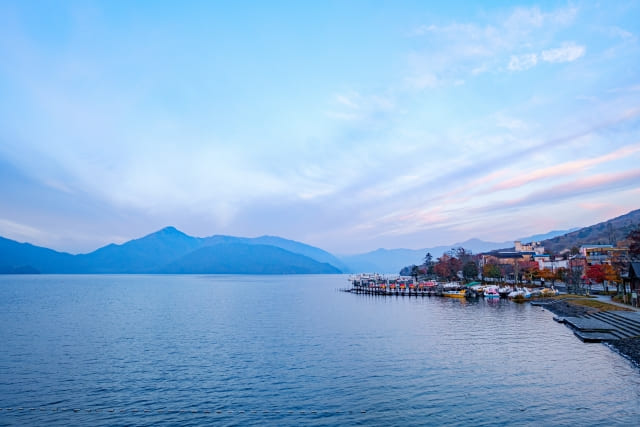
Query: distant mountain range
(545, 236)
(393, 260)
(172, 251)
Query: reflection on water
(290, 350)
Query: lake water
(291, 350)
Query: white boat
(491, 292)
(549, 292)
(504, 291)
(524, 292)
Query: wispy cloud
(353, 106)
(615, 31)
(522, 62)
(20, 231)
(567, 53)
(383, 137)
(593, 184)
(565, 168)
(470, 49)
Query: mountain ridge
(241, 258)
(163, 249)
(610, 231)
(156, 251)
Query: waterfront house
(534, 247)
(603, 254)
(521, 253)
(548, 264)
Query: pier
(376, 284)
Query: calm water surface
(291, 350)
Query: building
(521, 253)
(603, 254)
(534, 247)
(633, 279)
(513, 263)
(553, 265)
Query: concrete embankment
(619, 329)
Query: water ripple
(289, 350)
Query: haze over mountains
(172, 251)
(393, 260)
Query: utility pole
(612, 234)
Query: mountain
(166, 249)
(21, 257)
(382, 260)
(393, 260)
(242, 258)
(143, 255)
(170, 250)
(312, 252)
(606, 232)
(546, 236)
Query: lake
(291, 350)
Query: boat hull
(454, 294)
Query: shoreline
(629, 348)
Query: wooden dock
(396, 292)
(375, 284)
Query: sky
(345, 125)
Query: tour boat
(454, 294)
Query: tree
(428, 259)
(470, 270)
(634, 245)
(561, 274)
(441, 267)
(464, 255)
(548, 275)
(414, 272)
(611, 274)
(428, 263)
(620, 261)
(574, 277)
(596, 273)
(575, 250)
(492, 271)
(530, 270)
(447, 267)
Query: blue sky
(346, 125)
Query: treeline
(456, 263)
(460, 263)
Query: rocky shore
(629, 348)
(562, 308)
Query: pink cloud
(563, 169)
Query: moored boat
(549, 292)
(521, 292)
(460, 293)
(491, 292)
(504, 291)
